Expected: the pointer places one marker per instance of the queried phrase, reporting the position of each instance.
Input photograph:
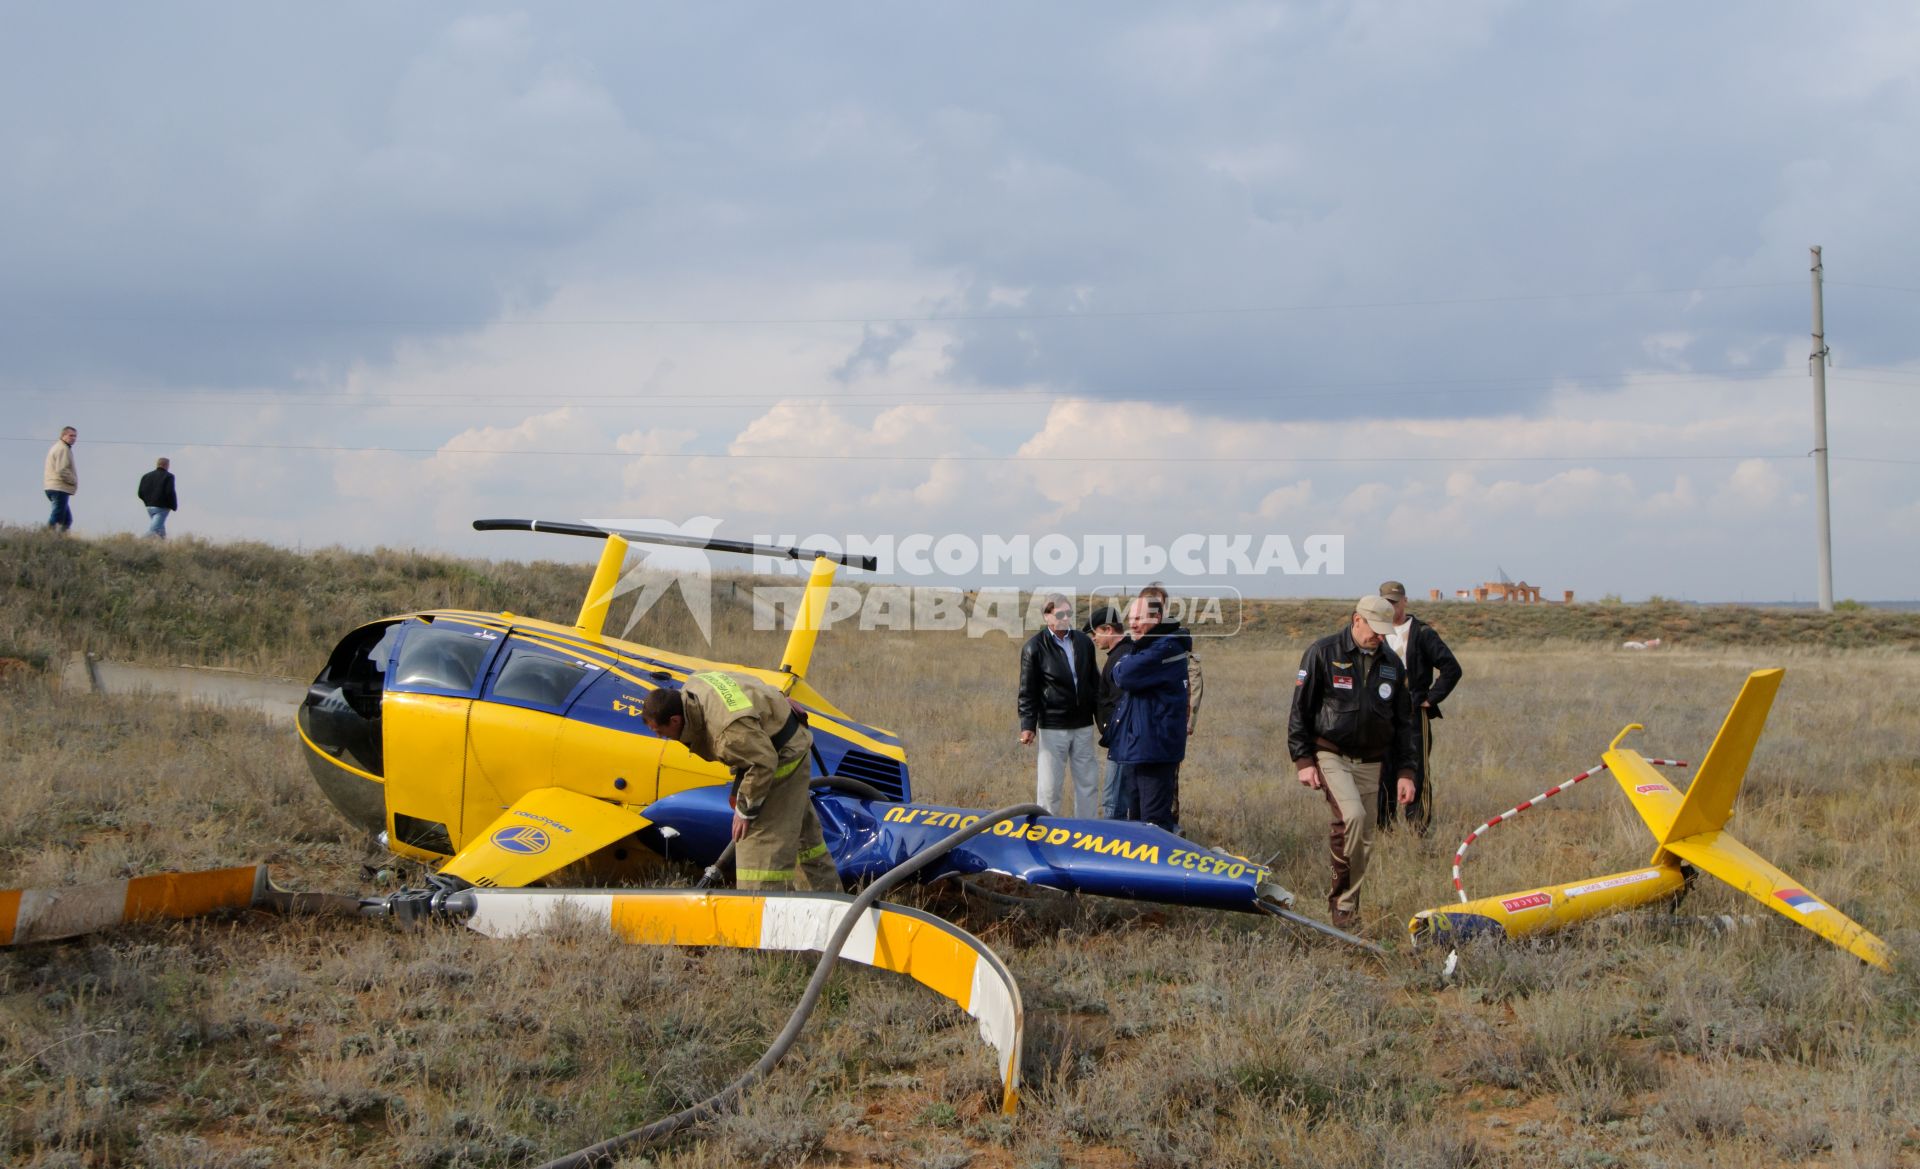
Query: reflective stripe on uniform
(763, 874)
(816, 850)
(732, 695)
(787, 768)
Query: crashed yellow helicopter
(504, 748)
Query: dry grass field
(1155, 1037)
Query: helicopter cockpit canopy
(341, 718)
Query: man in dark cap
(1425, 655)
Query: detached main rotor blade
(933, 952)
(42, 915)
(675, 540)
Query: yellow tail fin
(1710, 797)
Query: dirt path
(205, 685)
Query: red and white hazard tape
(1460, 854)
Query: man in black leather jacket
(1059, 685)
(1350, 713)
(1425, 655)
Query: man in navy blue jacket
(1149, 733)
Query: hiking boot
(1346, 919)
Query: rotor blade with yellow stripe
(43, 915)
(934, 953)
(1736, 864)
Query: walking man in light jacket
(62, 481)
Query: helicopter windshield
(442, 658)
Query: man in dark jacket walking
(1149, 732)
(1350, 714)
(1059, 685)
(156, 491)
(1425, 655)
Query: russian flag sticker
(1800, 899)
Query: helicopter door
(605, 749)
(435, 674)
(510, 739)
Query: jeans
(159, 525)
(1113, 804)
(1059, 751)
(62, 516)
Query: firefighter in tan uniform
(762, 737)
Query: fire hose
(605, 1152)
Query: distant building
(1518, 592)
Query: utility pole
(1822, 512)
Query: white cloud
(629, 269)
(1283, 502)
(1753, 486)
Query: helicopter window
(534, 677)
(341, 713)
(355, 674)
(442, 658)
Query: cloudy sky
(1476, 286)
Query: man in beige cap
(1351, 713)
(1425, 655)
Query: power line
(900, 319)
(427, 399)
(1859, 284)
(784, 456)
